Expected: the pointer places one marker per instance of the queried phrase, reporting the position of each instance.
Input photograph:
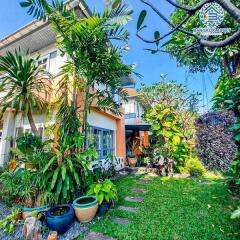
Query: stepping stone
(97, 236)
(134, 199)
(142, 182)
(128, 209)
(122, 221)
(138, 190)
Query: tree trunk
(31, 122)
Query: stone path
(119, 220)
(142, 182)
(128, 209)
(122, 221)
(135, 199)
(97, 236)
(138, 190)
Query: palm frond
(36, 8)
(120, 15)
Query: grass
(174, 209)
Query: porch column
(7, 133)
(121, 138)
(146, 139)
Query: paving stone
(134, 199)
(138, 190)
(128, 209)
(97, 236)
(142, 182)
(123, 221)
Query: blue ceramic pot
(60, 223)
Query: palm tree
(24, 85)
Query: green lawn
(176, 209)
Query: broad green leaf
(64, 171)
(54, 179)
(157, 36)
(100, 197)
(236, 214)
(141, 19)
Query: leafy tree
(93, 60)
(167, 109)
(192, 50)
(24, 85)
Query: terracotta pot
(132, 161)
(85, 208)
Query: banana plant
(68, 167)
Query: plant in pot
(106, 193)
(85, 208)
(60, 218)
(27, 186)
(132, 159)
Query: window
(44, 63)
(48, 62)
(129, 108)
(103, 141)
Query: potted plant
(106, 193)
(60, 218)
(131, 156)
(85, 208)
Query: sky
(12, 17)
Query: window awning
(139, 127)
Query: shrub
(195, 167)
(28, 141)
(105, 191)
(215, 146)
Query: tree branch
(230, 8)
(190, 10)
(166, 20)
(213, 44)
(167, 34)
(188, 48)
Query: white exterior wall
(11, 123)
(98, 120)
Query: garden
(185, 184)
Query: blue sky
(12, 17)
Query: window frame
(101, 151)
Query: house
(136, 130)
(39, 38)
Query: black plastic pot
(103, 208)
(62, 222)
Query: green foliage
(8, 223)
(27, 142)
(105, 191)
(236, 214)
(27, 184)
(195, 167)
(196, 59)
(25, 83)
(141, 19)
(167, 108)
(69, 167)
(227, 93)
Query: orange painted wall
(121, 138)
